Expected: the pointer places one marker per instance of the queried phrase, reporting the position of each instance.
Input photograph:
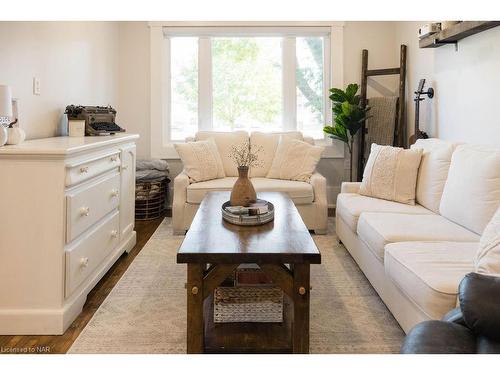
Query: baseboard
(47, 321)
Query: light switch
(36, 86)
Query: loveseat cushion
(433, 171)
(350, 206)
(299, 192)
(224, 142)
(379, 229)
(471, 194)
(268, 142)
(429, 273)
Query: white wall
(465, 106)
(77, 63)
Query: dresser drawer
(84, 170)
(83, 257)
(88, 204)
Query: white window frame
(162, 146)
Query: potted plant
(348, 117)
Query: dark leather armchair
(474, 327)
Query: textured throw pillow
(295, 160)
(391, 174)
(201, 160)
(268, 143)
(488, 255)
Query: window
(253, 78)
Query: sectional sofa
(415, 256)
(309, 197)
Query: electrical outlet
(36, 86)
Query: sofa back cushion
(433, 171)
(268, 142)
(391, 174)
(472, 191)
(224, 142)
(488, 254)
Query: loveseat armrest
(181, 183)
(318, 182)
(350, 187)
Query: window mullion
(204, 83)
(289, 85)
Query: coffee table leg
(300, 335)
(195, 324)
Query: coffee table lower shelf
(248, 337)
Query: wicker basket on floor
(151, 198)
(260, 304)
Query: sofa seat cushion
(429, 272)
(351, 205)
(299, 192)
(379, 229)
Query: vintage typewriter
(98, 120)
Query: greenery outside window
(253, 78)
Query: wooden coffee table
(213, 249)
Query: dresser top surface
(65, 145)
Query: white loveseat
(415, 256)
(309, 198)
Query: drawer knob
(85, 211)
(125, 166)
(114, 158)
(114, 192)
(84, 170)
(114, 233)
(84, 262)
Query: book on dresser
(66, 215)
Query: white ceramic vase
(3, 135)
(15, 136)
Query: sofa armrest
(181, 183)
(350, 187)
(479, 295)
(454, 316)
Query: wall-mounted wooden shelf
(456, 32)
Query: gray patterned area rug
(146, 310)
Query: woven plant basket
(248, 304)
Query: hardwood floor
(61, 344)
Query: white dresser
(66, 215)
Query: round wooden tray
(248, 220)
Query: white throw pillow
(201, 160)
(269, 144)
(472, 191)
(295, 160)
(391, 174)
(225, 141)
(488, 255)
(433, 171)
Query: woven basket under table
(260, 304)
